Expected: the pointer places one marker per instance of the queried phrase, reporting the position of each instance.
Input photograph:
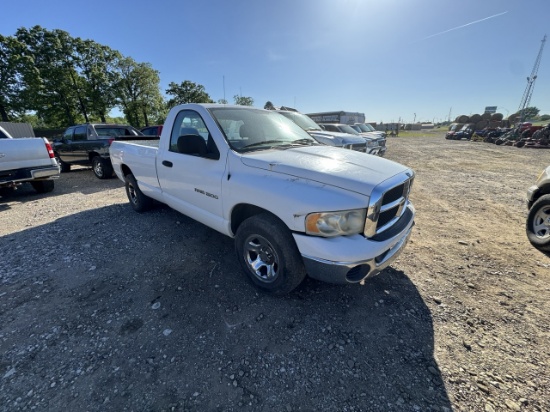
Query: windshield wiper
(304, 141)
(265, 142)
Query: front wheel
(538, 224)
(102, 168)
(268, 254)
(139, 202)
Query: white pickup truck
(294, 207)
(27, 159)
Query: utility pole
(526, 99)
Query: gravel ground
(104, 309)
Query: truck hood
(343, 138)
(372, 135)
(343, 168)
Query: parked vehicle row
(88, 144)
(334, 135)
(367, 128)
(336, 139)
(272, 180)
(376, 143)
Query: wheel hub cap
(541, 223)
(261, 258)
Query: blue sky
(390, 59)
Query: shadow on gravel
(78, 180)
(123, 311)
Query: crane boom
(526, 98)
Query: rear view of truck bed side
(28, 160)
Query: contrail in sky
(465, 25)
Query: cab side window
(190, 136)
(68, 135)
(80, 133)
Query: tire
(65, 167)
(268, 254)
(139, 202)
(102, 168)
(538, 224)
(43, 186)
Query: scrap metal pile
(523, 135)
(491, 128)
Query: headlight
(341, 223)
(372, 143)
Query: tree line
(51, 79)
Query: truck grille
(387, 204)
(360, 147)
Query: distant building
(337, 117)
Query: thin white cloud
(275, 57)
(465, 25)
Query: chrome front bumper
(355, 271)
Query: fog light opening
(357, 273)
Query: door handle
(167, 163)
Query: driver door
(191, 183)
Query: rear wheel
(139, 202)
(102, 168)
(268, 254)
(538, 224)
(43, 186)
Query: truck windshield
(248, 129)
(365, 127)
(301, 120)
(344, 128)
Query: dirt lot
(105, 309)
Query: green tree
(97, 66)
(187, 92)
(12, 66)
(243, 100)
(545, 117)
(528, 113)
(138, 92)
(222, 101)
(54, 89)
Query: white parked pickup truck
(294, 207)
(27, 159)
